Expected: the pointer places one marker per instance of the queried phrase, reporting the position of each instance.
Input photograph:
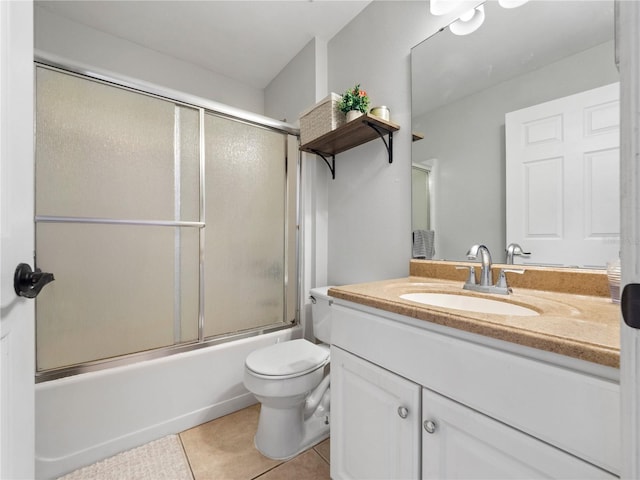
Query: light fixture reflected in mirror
(443, 7)
(511, 3)
(473, 18)
(468, 22)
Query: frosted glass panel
(103, 151)
(116, 291)
(245, 217)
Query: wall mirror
(462, 88)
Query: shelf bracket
(332, 165)
(382, 133)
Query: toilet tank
(321, 313)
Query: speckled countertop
(577, 325)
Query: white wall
(70, 40)
(370, 200)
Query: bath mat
(158, 460)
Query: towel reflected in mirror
(423, 246)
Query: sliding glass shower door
(245, 186)
(164, 224)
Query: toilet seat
(286, 360)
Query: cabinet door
(375, 421)
(460, 443)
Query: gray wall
(370, 200)
(293, 89)
(471, 172)
(299, 85)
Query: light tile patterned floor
(223, 449)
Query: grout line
(257, 477)
(184, 450)
(269, 469)
(315, 448)
(321, 456)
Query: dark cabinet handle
(28, 283)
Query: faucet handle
(514, 270)
(502, 278)
(471, 279)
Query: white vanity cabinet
(376, 415)
(474, 407)
(460, 443)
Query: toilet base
(278, 443)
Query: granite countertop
(580, 326)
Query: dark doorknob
(630, 305)
(28, 283)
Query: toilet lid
(287, 358)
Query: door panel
(16, 241)
(628, 48)
(563, 181)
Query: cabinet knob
(403, 412)
(430, 426)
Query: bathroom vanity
(429, 392)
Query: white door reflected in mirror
(562, 175)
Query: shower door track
(161, 352)
(220, 109)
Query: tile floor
(223, 449)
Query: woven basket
(323, 117)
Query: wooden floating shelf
(352, 134)
(349, 135)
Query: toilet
(291, 381)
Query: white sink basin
(469, 304)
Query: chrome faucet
(515, 249)
(485, 258)
(486, 284)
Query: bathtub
(91, 416)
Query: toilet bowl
(291, 381)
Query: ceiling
(249, 41)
